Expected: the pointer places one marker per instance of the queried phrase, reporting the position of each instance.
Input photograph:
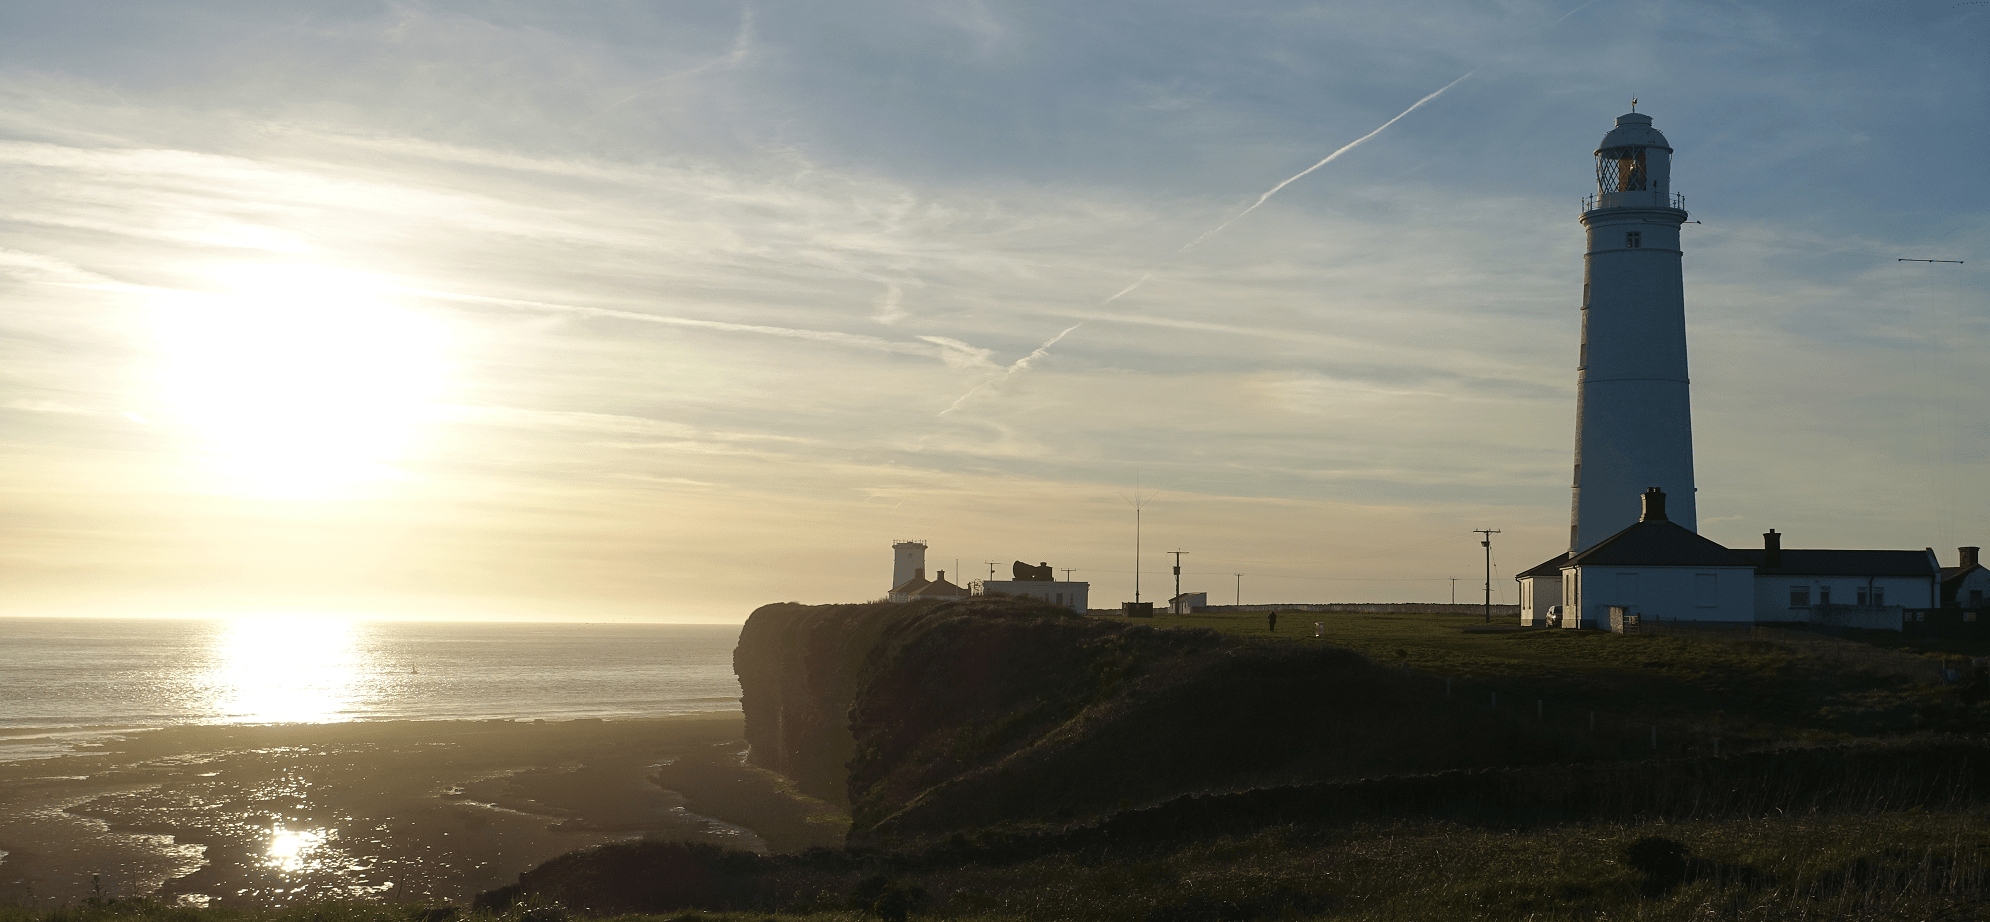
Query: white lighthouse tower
(1634, 425)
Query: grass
(1789, 687)
(1880, 866)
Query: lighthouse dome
(1633, 130)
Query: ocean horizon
(68, 676)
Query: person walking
(1271, 621)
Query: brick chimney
(1654, 506)
(1772, 550)
(1968, 556)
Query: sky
(665, 310)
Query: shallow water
(66, 673)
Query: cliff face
(991, 712)
(797, 667)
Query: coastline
(260, 815)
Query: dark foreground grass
(1883, 866)
(1753, 689)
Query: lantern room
(1633, 167)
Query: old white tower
(1634, 426)
(908, 559)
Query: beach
(394, 810)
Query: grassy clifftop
(993, 712)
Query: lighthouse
(1634, 425)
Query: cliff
(797, 666)
(993, 712)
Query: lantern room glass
(1622, 169)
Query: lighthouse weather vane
(1634, 104)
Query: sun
(303, 382)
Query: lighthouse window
(1621, 169)
(1631, 240)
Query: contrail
(1019, 365)
(1328, 159)
(1024, 362)
(1570, 13)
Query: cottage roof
(912, 585)
(1655, 544)
(940, 587)
(1812, 562)
(1550, 567)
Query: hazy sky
(664, 310)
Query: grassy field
(1891, 866)
(1775, 685)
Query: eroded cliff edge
(936, 719)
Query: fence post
(1537, 709)
(1592, 721)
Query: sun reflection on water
(287, 670)
(290, 850)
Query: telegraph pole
(1240, 589)
(1487, 544)
(1454, 590)
(1067, 573)
(1178, 573)
(991, 567)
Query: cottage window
(1879, 595)
(1824, 595)
(1969, 616)
(1799, 596)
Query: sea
(63, 679)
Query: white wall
(1665, 593)
(907, 558)
(1074, 596)
(1978, 580)
(1772, 593)
(1537, 595)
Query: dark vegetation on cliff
(1006, 759)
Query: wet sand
(400, 811)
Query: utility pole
(1240, 589)
(1178, 573)
(1487, 544)
(1454, 590)
(1067, 573)
(992, 564)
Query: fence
(1370, 608)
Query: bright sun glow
(287, 670)
(290, 849)
(305, 381)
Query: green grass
(1790, 687)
